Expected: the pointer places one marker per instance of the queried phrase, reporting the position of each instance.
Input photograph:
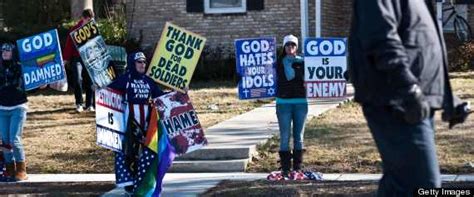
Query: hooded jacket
(138, 88)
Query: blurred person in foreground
(398, 66)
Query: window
(225, 6)
(461, 9)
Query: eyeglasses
(141, 62)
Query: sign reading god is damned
(175, 57)
(256, 62)
(325, 63)
(41, 59)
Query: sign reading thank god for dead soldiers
(175, 57)
(325, 63)
(94, 53)
(41, 59)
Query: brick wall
(336, 18)
(278, 18)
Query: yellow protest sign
(175, 57)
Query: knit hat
(290, 38)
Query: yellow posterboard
(175, 57)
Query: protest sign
(94, 53)
(41, 60)
(325, 63)
(175, 57)
(110, 118)
(179, 119)
(256, 65)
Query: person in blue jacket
(139, 90)
(291, 105)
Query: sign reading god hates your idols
(256, 65)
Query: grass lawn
(59, 140)
(339, 141)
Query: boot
(11, 169)
(285, 162)
(20, 174)
(297, 159)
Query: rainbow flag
(156, 157)
(151, 139)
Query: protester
(71, 55)
(139, 90)
(399, 72)
(291, 104)
(13, 107)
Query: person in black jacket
(399, 71)
(291, 104)
(13, 109)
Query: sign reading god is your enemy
(175, 57)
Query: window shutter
(255, 4)
(195, 5)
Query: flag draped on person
(156, 157)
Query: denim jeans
(11, 128)
(408, 152)
(78, 68)
(288, 115)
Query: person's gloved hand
(413, 108)
(461, 112)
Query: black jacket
(12, 91)
(293, 88)
(393, 44)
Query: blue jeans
(408, 152)
(11, 128)
(288, 114)
(78, 68)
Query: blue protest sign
(41, 60)
(256, 66)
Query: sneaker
(79, 108)
(90, 109)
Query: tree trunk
(77, 6)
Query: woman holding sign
(12, 112)
(291, 104)
(139, 90)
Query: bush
(215, 64)
(460, 54)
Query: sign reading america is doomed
(179, 119)
(41, 59)
(325, 63)
(175, 57)
(94, 53)
(110, 118)
(256, 64)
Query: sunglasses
(141, 62)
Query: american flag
(123, 173)
(145, 183)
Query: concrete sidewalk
(193, 184)
(233, 142)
